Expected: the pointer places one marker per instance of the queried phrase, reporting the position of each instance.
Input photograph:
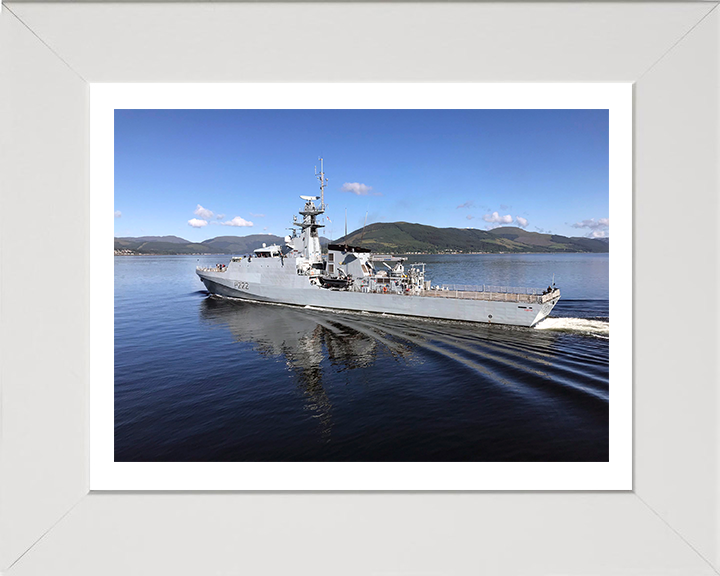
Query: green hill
(142, 246)
(170, 239)
(240, 244)
(403, 238)
(167, 245)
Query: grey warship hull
(489, 307)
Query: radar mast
(323, 181)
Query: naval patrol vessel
(354, 278)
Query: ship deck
(527, 296)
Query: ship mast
(309, 225)
(323, 181)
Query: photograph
(361, 285)
(362, 278)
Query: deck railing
(490, 293)
(493, 289)
(211, 268)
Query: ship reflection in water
(304, 339)
(392, 388)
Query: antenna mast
(323, 181)
(363, 232)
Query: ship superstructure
(354, 278)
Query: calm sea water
(198, 378)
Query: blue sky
(205, 173)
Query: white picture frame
(49, 523)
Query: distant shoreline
(117, 253)
(398, 254)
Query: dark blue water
(199, 378)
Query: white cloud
(220, 216)
(357, 188)
(496, 218)
(257, 215)
(195, 223)
(599, 227)
(204, 213)
(118, 214)
(469, 217)
(468, 204)
(521, 221)
(593, 224)
(237, 221)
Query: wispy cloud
(220, 216)
(505, 207)
(203, 213)
(468, 204)
(495, 218)
(522, 222)
(598, 228)
(593, 224)
(257, 215)
(237, 221)
(469, 217)
(118, 214)
(197, 223)
(359, 189)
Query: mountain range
(176, 245)
(392, 237)
(404, 238)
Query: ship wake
(597, 328)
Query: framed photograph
(81, 125)
(339, 340)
